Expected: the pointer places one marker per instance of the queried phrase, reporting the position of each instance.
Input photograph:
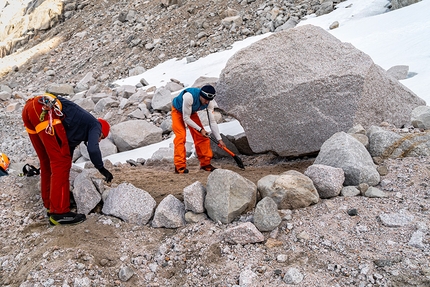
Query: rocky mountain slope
(343, 241)
(110, 37)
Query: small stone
(334, 25)
(352, 212)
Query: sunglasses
(208, 95)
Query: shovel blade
(239, 162)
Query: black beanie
(207, 89)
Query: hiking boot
(66, 218)
(208, 167)
(181, 170)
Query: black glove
(108, 176)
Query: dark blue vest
(197, 105)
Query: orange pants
(201, 143)
(54, 156)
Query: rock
(266, 216)
(345, 152)
(290, 190)
(243, 234)
(129, 203)
(327, 180)
(228, 195)
(169, 213)
(421, 117)
(343, 90)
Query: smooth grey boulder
(134, 134)
(420, 117)
(292, 90)
(343, 151)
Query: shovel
(235, 157)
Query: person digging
(184, 113)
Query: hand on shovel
(204, 133)
(221, 144)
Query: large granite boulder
(294, 89)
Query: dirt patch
(160, 180)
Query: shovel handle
(227, 150)
(221, 147)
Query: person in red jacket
(56, 126)
(184, 113)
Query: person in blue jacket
(184, 113)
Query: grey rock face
(298, 87)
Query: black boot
(66, 218)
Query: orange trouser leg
(201, 143)
(55, 160)
(178, 127)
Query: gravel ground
(343, 241)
